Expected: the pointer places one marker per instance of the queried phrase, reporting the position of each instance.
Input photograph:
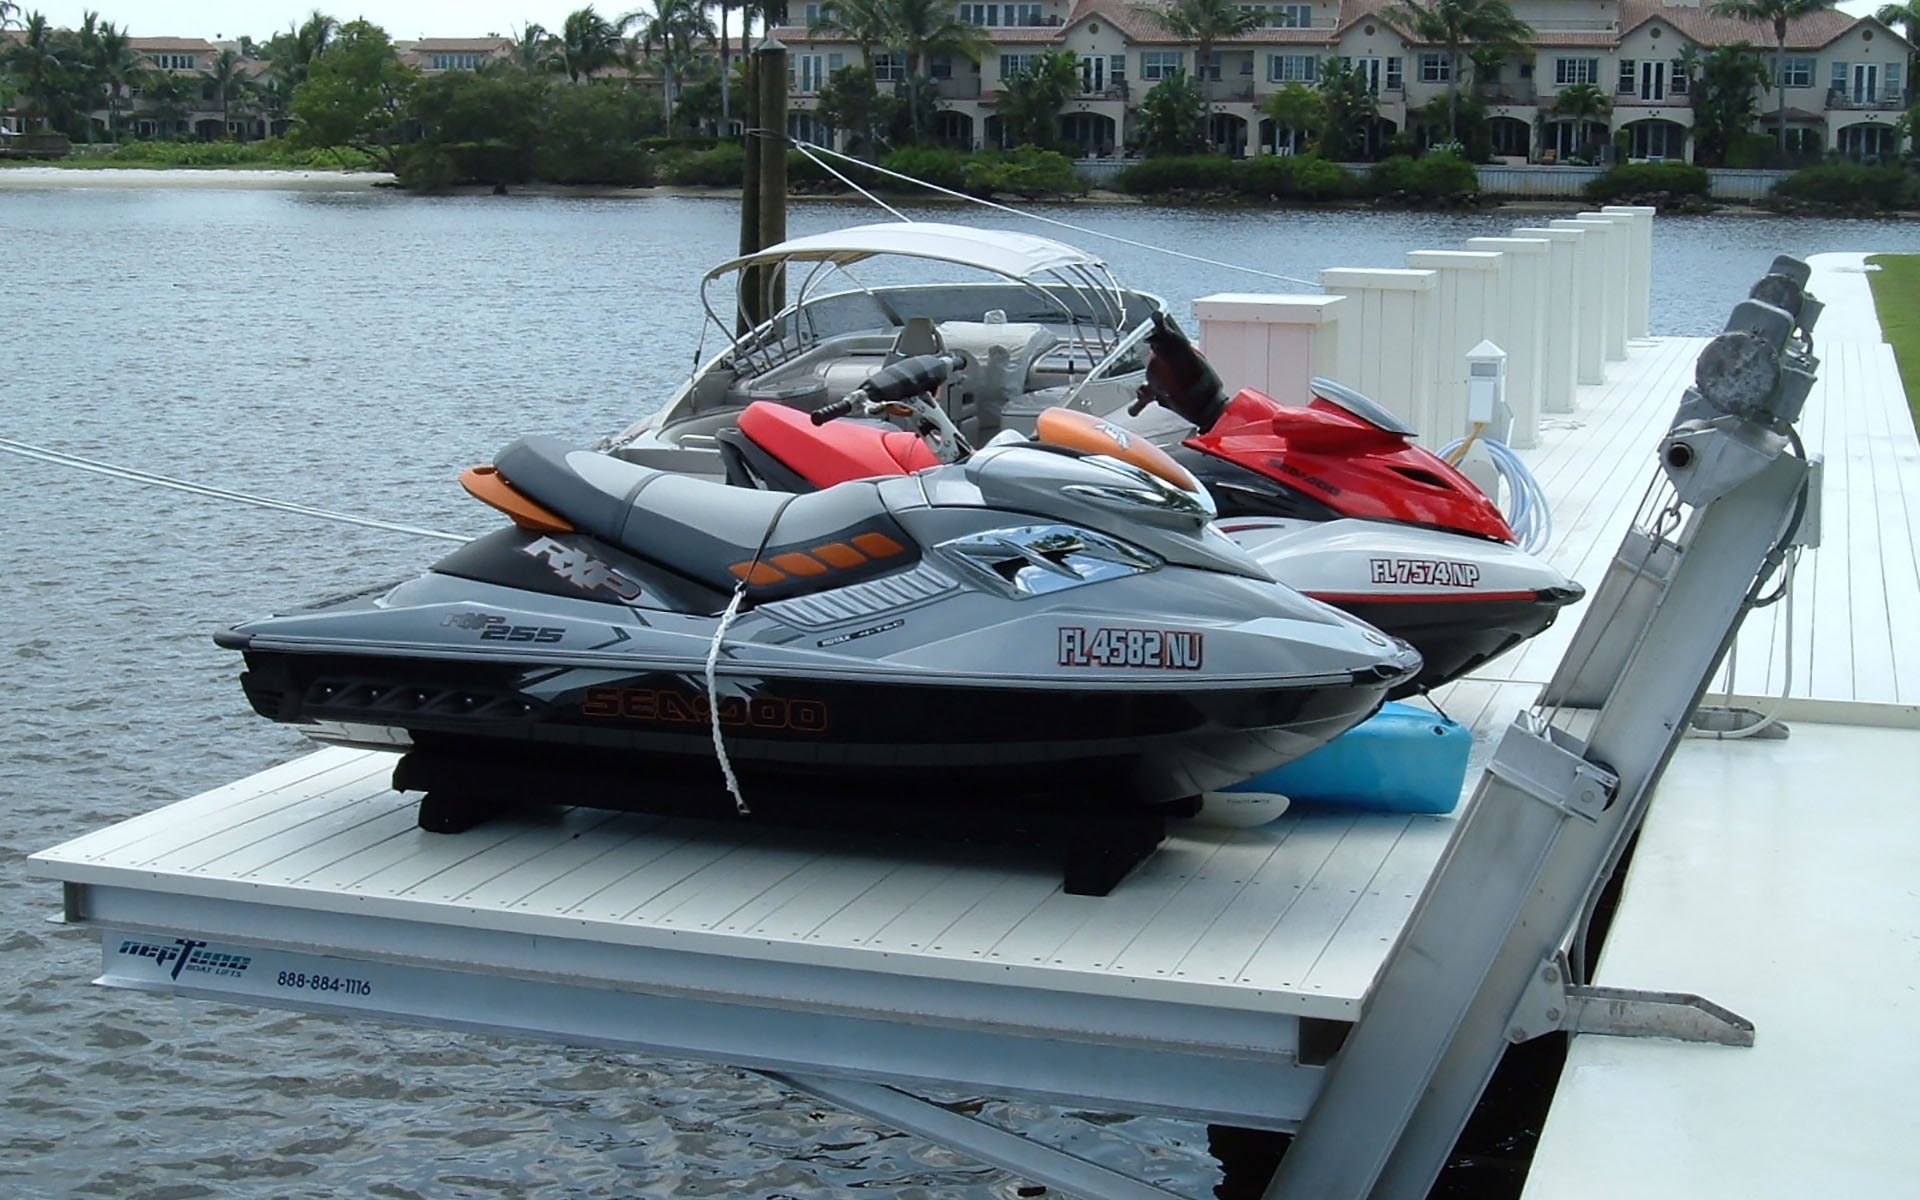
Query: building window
(810, 70)
(1435, 68)
(817, 13)
(889, 68)
(1160, 64)
(1396, 73)
(456, 62)
(939, 66)
(1569, 71)
(174, 62)
(1117, 69)
(1014, 64)
(1677, 77)
(1292, 68)
(1281, 16)
(1629, 77)
(1002, 14)
(1796, 72)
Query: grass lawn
(1896, 299)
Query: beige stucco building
(1844, 76)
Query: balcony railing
(1509, 93)
(1113, 91)
(1884, 100)
(966, 88)
(1228, 89)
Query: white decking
(1195, 988)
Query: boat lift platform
(1217, 982)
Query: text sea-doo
(1459, 598)
(1033, 323)
(1026, 629)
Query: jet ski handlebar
(895, 383)
(1179, 378)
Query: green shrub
(806, 174)
(1851, 184)
(723, 166)
(1027, 171)
(1648, 179)
(269, 152)
(939, 166)
(1432, 176)
(1171, 174)
(1291, 177)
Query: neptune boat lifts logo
(189, 956)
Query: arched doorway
(1283, 139)
(805, 125)
(1569, 140)
(994, 132)
(1227, 132)
(1092, 134)
(953, 129)
(1656, 139)
(1511, 137)
(1868, 141)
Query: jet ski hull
(920, 743)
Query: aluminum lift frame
(1481, 962)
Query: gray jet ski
(1029, 631)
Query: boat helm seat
(918, 336)
(708, 531)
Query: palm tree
(1583, 104)
(292, 53)
(675, 25)
(587, 43)
(35, 61)
(118, 65)
(865, 23)
(1297, 109)
(922, 28)
(532, 48)
(1455, 25)
(229, 79)
(1031, 102)
(1203, 22)
(1778, 14)
(9, 13)
(1907, 17)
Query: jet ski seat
(710, 532)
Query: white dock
(1217, 979)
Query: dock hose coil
(1529, 515)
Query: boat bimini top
(1064, 285)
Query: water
(355, 350)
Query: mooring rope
(1067, 225)
(61, 459)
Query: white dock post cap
(1383, 278)
(1550, 235)
(1511, 245)
(1289, 308)
(1456, 260)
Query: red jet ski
(1332, 498)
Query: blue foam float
(1401, 759)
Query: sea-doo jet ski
(1026, 630)
(1459, 596)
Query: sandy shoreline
(35, 178)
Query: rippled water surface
(354, 350)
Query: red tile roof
(1700, 25)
